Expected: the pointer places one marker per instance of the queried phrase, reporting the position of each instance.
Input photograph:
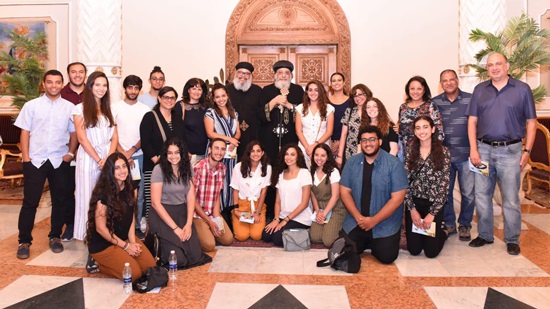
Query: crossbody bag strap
(161, 128)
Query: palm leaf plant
(523, 42)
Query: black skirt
(189, 252)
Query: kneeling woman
(250, 180)
(292, 205)
(428, 168)
(330, 212)
(111, 229)
(173, 200)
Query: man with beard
(277, 111)
(375, 208)
(72, 92)
(208, 178)
(128, 114)
(245, 97)
(156, 79)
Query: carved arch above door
(288, 22)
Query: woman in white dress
(314, 119)
(98, 138)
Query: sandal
(91, 265)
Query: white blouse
(290, 192)
(334, 177)
(250, 186)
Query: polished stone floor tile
(9, 215)
(541, 221)
(75, 254)
(244, 295)
(481, 297)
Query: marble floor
(460, 277)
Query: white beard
(280, 84)
(240, 86)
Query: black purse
(152, 242)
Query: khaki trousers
(207, 239)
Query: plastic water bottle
(127, 279)
(173, 262)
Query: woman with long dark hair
(192, 108)
(173, 199)
(418, 103)
(354, 117)
(292, 202)
(250, 180)
(428, 165)
(338, 95)
(378, 116)
(325, 197)
(110, 233)
(158, 125)
(222, 121)
(98, 138)
(314, 119)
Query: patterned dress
(87, 170)
(226, 126)
(353, 122)
(408, 114)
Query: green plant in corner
(523, 42)
(25, 65)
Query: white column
(487, 15)
(99, 40)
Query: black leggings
(417, 242)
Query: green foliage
(26, 66)
(523, 42)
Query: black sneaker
(68, 233)
(23, 251)
(55, 245)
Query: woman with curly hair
(292, 201)
(98, 138)
(378, 116)
(173, 200)
(428, 165)
(314, 119)
(110, 233)
(329, 210)
(250, 180)
(354, 117)
(418, 103)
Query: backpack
(154, 277)
(343, 256)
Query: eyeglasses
(157, 79)
(370, 140)
(359, 95)
(244, 73)
(168, 98)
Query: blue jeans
(503, 166)
(466, 184)
(140, 199)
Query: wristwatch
(527, 150)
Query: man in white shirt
(48, 143)
(128, 114)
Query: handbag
(152, 242)
(296, 240)
(342, 255)
(154, 277)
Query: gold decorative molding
(288, 22)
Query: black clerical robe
(270, 120)
(247, 105)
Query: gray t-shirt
(172, 193)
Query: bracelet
(135, 148)
(98, 161)
(276, 219)
(175, 228)
(126, 246)
(286, 219)
(71, 154)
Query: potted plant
(523, 42)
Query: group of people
(237, 162)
